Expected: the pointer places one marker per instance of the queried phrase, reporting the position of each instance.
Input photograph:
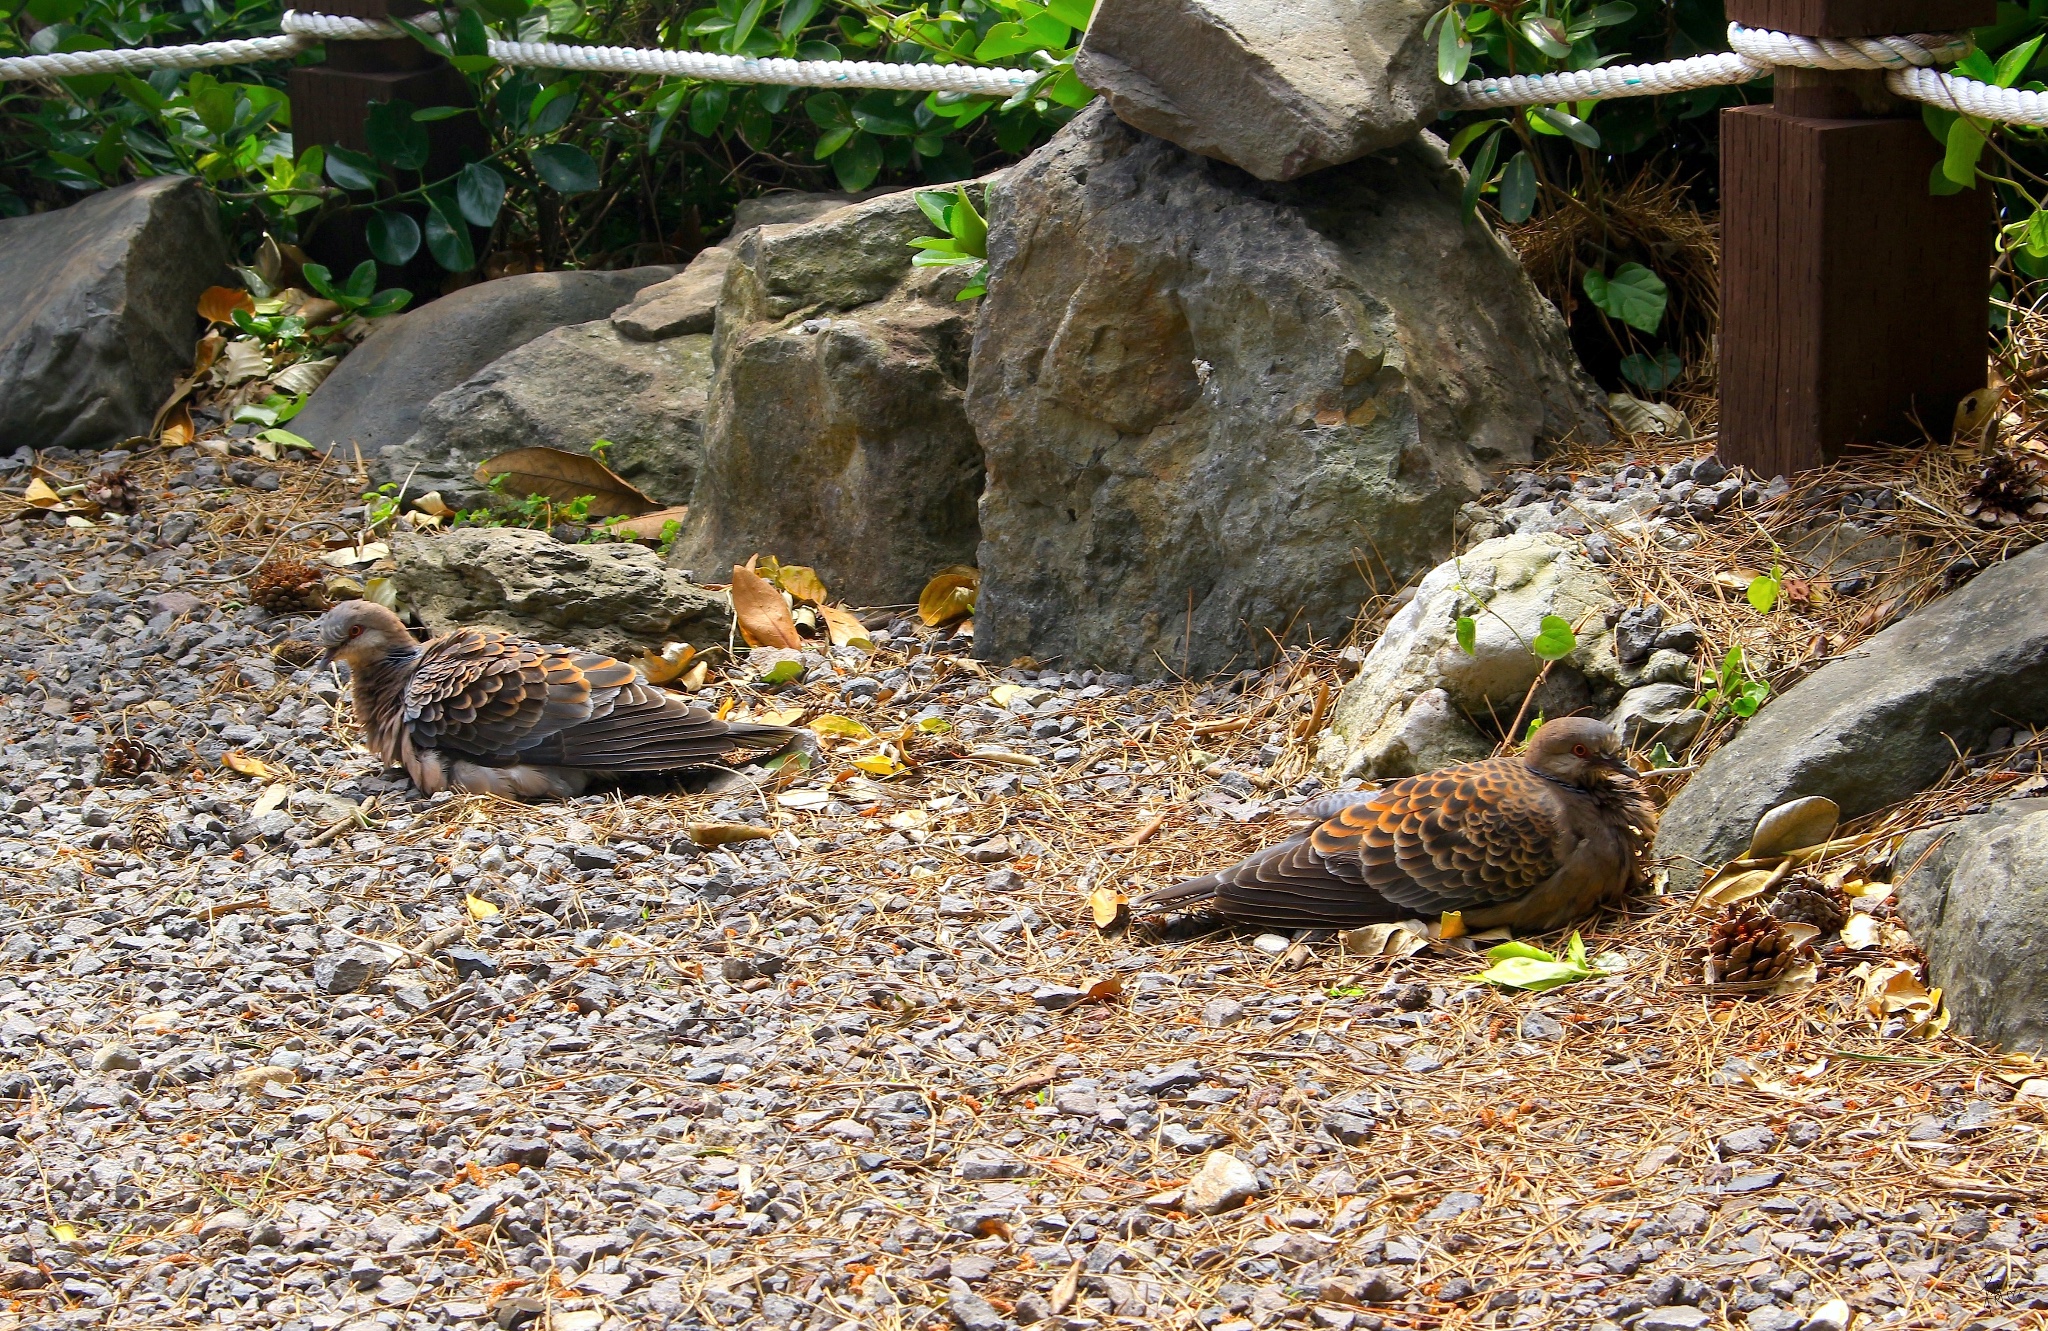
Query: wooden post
(1854, 301)
(331, 104)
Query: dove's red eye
(357, 632)
(1579, 750)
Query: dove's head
(360, 632)
(1579, 751)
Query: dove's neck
(380, 698)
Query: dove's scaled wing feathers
(494, 698)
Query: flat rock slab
(1879, 725)
(1974, 894)
(614, 597)
(1278, 89)
(98, 310)
(375, 398)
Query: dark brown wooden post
(1853, 301)
(331, 104)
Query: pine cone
(126, 759)
(1748, 947)
(2007, 492)
(1807, 900)
(288, 587)
(114, 489)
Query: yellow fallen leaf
(667, 665)
(845, 628)
(879, 764)
(722, 834)
(843, 727)
(1725, 889)
(788, 717)
(801, 582)
(1106, 904)
(248, 766)
(64, 1233)
(949, 597)
(1102, 991)
(41, 495)
(479, 909)
(1452, 925)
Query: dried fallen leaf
(1794, 825)
(1102, 991)
(880, 764)
(1860, 932)
(41, 495)
(217, 305)
(178, 429)
(1386, 941)
(479, 909)
(798, 580)
(1452, 925)
(1064, 1292)
(650, 526)
(1106, 904)
(667, 665)
(950, 596)
(1725, 888)
(278, 793)
(723, 834)
(841, 727)
(566, 477)
(432, 503)
(240, 361)
(762, 614)
(355, 556)
(305, 376)
(845, 628)
(249, 766)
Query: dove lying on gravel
(1532, 842)
(481, 711)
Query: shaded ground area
(298, 1049)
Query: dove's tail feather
(1194, 894)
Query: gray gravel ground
(265, 1067)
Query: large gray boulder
(1879, 724)
(1214, 408)
(1278, 89)
(568, 388)
(1974, 894)
(837, 435)
(612, 596)
(1421, 701)
(98, 310)
(375, 398)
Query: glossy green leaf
(480, 193)
(566, 168)
(1468, 635)
(1567, 124)
(858, 163)
(1480, 177)
(708, 107)
(448, 236)
(393, 237)
(1518, 190)
(1965, 146)
(1453, 49)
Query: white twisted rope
(1756, 53)
(1907, 61)
(71, 64)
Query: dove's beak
(327, 657)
